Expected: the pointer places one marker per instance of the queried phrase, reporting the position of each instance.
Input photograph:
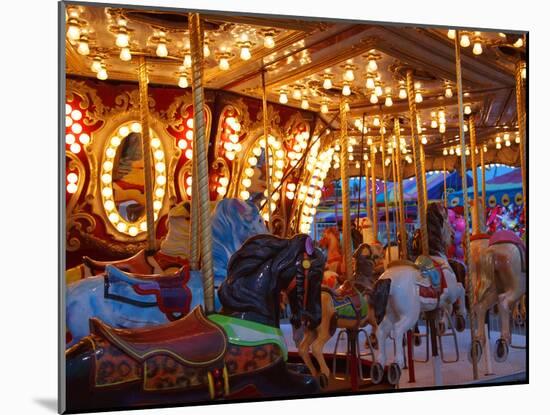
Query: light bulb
(297, 93)
(434, 124)
(283, 97)
(445, 152)
(467, 109)
(83, 47)
(327, 83)
(373, 98)
(349, 75)
(370, 82)
(224, 64)
(418, 97)
(102, 74)
(122, 39)
(518, 43)
(442, 128)
(477, 50)
(305, 104)
(269, 41)
(424, 140)
(402, 93)
(206, 50)
(96, 65)
(346, 90)
(187, 60)
(524, 73)
(451, 151)
(389, 101)
(245, 53)
(162, 50)
(324, 108)
(464, 41)
(451, 34)
(517, 139)
(378, 90)
(346, 107)
(448, 92)
(372, 66)
(507, 143)
(498, 146)
(376, 122)
(183, 82)
(467, 152)
(125, 54)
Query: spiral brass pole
(467, 251)
(420, 180)
(194, 235)
(444, 183)
(388, 232)
(520, 103)
(146, 150)
(397, 212)
(373, 187)
(402, 228)
(201, 148)
(423, 165)
(344, 175)
(483, 193)
(367, 198)
(267, 156)
(473, 145)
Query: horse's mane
(436, 217)
(263, 253)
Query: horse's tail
(487, 275)
(379, 298)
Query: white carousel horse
(403, 292)
(233, 222)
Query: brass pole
(373, 187)
(267, 156)
(388, 233)
(195, 217)
(201, 149)
(467, 252)
(420, 181)
(423, 165)
(367, 198)
(402, 228)
(520, 102)
(396, 204)
(146, 150)
(344, 174)
(483, 193)
(473, 145)
(444, 182)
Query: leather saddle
(136, 264)
(173, 297)
(348, 301)
(432, 279)
(191, 341)
(509, 237)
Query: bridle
(300, 282)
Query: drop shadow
(48, 403)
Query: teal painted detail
(249, 333)
(346, 309)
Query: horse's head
(263, 267)
(440, 231)
(329, 234)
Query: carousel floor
(456, 373)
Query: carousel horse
(237, 354)
(344, 308)
(114, 294)
(233, 221)
(330, 241)
(406, 289)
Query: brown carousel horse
(344, 308)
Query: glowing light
(324, 108)
(389, 101)
(183, 82)
(518, 43)
(162, 50)
(269, 41)
(451, 34)
(75, 148)
(283, 97)
(418, 97)
(373, 98)
(224, 64)
(346, 90)
(370, 82)
(70, 139)
(72, 188)
(477, 49)
(84, 138)
(122, 39)
(402, 92)
(327, 83)
(245, 53)
(464, 40)
(467, 109)
(448, 92)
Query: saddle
(135, 264)
(173, 297)
(432, 279)
(183, 354)
(348, 301)
(509, 237)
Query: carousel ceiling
(311, 65)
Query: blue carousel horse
(237, 354)
(127, 300)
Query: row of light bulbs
(477, 48)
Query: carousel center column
(344, 175)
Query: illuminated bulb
(72, 188)
(247, 182)
(389, 101)
(245, 195)
(433, 124)
(183, 82)
(517, 139)
(162, 50)
(102, 74)
(187, 60)
(346, 107)
(477, 50)
(206, 50)
(378, 90)
(370, 82)
(69, 139)
(122, 39)
(283, 97)
(73, 31)
(418, 97)
(357, 164)
(350, 157)
(125, 54)
(269, 41)
(349, 75)
(224, 64)
(121, 226)
(245, 53)
(305, 104)
(252, 161)
(451, 34)
(84, 138)
(96, 65)
(327, 83)
(445, 152)
(465, 128)
(507, 143)
(442, 128)
(372, 66)
(376, 122)
(346, 90)
(424, 140)
(324, 108)
(467, 152)
(448, 92)
(464, 41)
(296, 93)
(402, 92)
(451, 151)
(373, 98)
(518, 43)
(467, 109)
(498, 146)
(83, 46)
(524, 73)
(76, 128)
(133, 231)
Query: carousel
(265, 207)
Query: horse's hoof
(323, 381)
(394, 374)
(376, 373)
(476, 346)
(460, 323)
(501, 350)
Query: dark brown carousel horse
(237, 354)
